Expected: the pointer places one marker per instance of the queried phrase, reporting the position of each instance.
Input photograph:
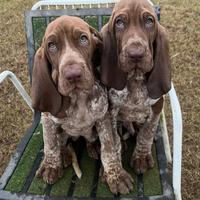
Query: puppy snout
(136, 53)
(74, 73)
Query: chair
(19, 181)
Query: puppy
(136, 65)
(72, 101)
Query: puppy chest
(81, 118)
(134, 105)
(77, 121)
(80, 121)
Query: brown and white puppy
(136, 65)
(72, 102)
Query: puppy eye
(149, 21)
(84, 40)
(119, 23)
(52, 47)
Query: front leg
(117, 140)
(142, 159)
(118, 179)
(51, 167)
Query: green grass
(25, 164)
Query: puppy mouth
(75, 86)
(126, 64)
(134, 60)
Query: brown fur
(135, 63)
(73, 105)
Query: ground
(181, 19)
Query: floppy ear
(96, 36)
(98, 45)
(111, 75)
(45, 97)
(159, 81)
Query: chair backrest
(36, 22)
(73, 4)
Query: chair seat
(154, 184)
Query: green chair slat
(39, 27)
(37, 186)
(40, 24)
(92, 21)
(152, 183)
(84, 185)
(24, 167)
(126, 156)
(61, 187)
(103, 190)
(105, 19)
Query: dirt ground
(181, 19)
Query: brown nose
(136, 54)
(73, 74)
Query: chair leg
(165, 137)
(17, 85)
(177, 142)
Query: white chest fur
(83, 112)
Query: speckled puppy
(65, 89)
(135, 63)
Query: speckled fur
(73, 107)
(136, 64)
(87, 110)
(80, 118)
(132, 104)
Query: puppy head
(64, 62)
(140, 47)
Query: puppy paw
(119, 181)
(141, 164)
(49, 173)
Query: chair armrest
(177, 141)
(17, 84)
